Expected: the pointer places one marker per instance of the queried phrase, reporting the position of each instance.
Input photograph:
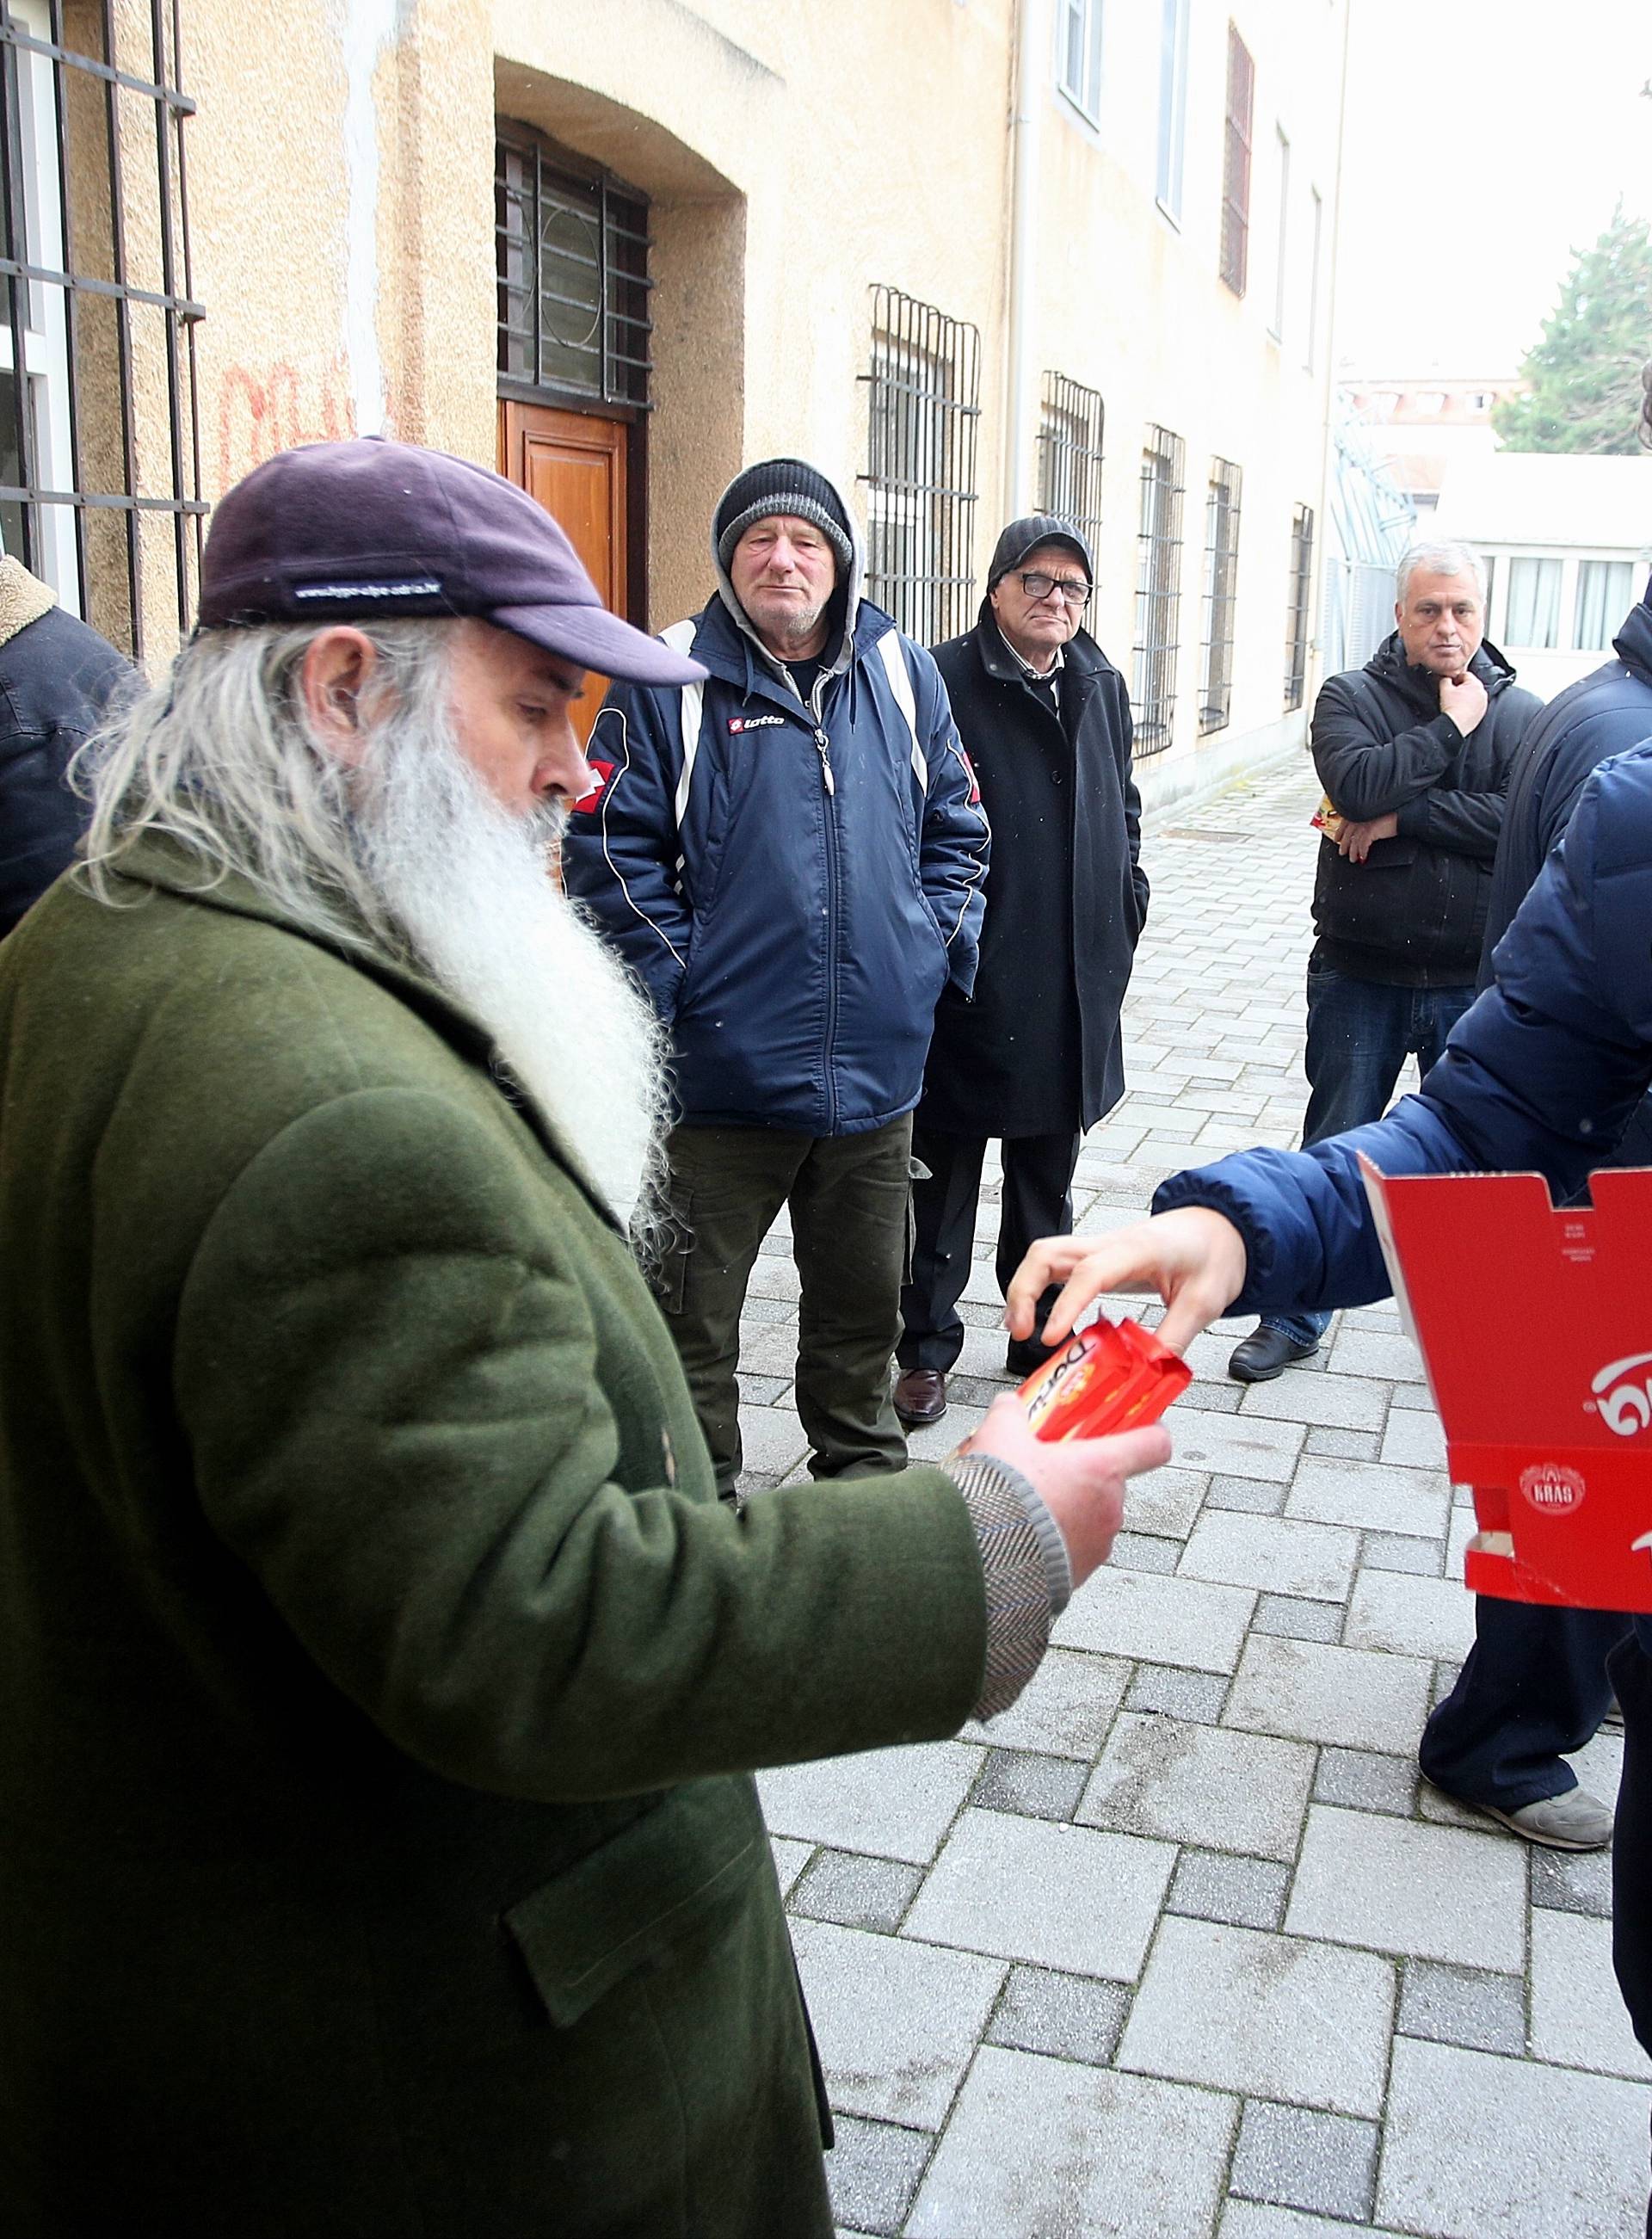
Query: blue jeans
(1359, 1035)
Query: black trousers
(1533, 1689)
(1036, 1201)
(1631, 1671)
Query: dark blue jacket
(1544, 1072)
(1603, 714)
(796, 905)
(57, 679)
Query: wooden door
(574, 463)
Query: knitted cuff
(1023, 1561)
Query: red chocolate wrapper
(1113, 1376)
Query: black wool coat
(1035, 1050)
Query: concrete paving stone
(1248, 2219)
(1341, 1445)
(873, 2172)
(1390, 1551)
(1067, 2015)
(763, 1390)
(937, 1440)
(1022, 1780)
(763, 1314)
(1137, 1551)
(1236, 1445)
(1578, 2016)
(896, 2022)
(1040, 2148)
(1599, 1764)
(1242, 1892)
(1062, 1897)
(1410, 1616)
(1463, 2005)
(1398, 1885)
(1284, 1615)
(1567, 2153)
(1200, 1784)
(1303, 1395)
(1385, 1353)
(1294, 2159)
(774, 1276)
(1366, 1781)
(768, 1346)
(1178, 1694)
(856, 1891)
(1572, 1881)
(1442, 1810)
(1252, 1496)
(790, 1858)
(1207, 1356)
(1312, 1560)
(1414, 1439)
(1065, 1708)
(892, 1803)
(1157, 1620)
(772, 1439)
(1371, 1497)
(1354, 1698)
(1209, 1398)
(1273, 2016)
(1165, 1501)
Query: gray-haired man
(1413, 751)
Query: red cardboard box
(1535, 1331)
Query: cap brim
(598, 640)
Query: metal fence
(1070, 422)
(100, 440)
(924, 402)
(1221, 592)
(1158, 591)
(572, 248)
(1302, 569)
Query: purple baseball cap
(359, 531)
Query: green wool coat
(380, 1678)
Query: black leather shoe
(1267, 1354)
(920, 1397)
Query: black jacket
(1035, 1050)
(1413, 913)
(1604, 713)
(57, 679)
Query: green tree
(1583, 378)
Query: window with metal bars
(1235, 165)
(923, 404)
(1070, 420)
(1221, 593)
(572, 249)
(100, 449)
(1301, 568)
(1158, 591)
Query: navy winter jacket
(1544, 1072)
(797, 896)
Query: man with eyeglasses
(1031, 1058)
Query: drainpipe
(1032, 53)
(368, 26)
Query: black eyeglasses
(1037, 586)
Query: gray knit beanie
(780, 486)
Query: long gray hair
(220, 757)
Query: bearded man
(380, 1675)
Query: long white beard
(468, 883)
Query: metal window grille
(923, 407)
(1158, 591)
(1301, 568)
(572, 248)
(1236, 164)
(100, 443)
(1221, 593)
(1070, 432)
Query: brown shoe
(920, 1397)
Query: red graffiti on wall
(260, 413)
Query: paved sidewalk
(1178, 1946)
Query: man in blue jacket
(791, 861)
(1546, 1071)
